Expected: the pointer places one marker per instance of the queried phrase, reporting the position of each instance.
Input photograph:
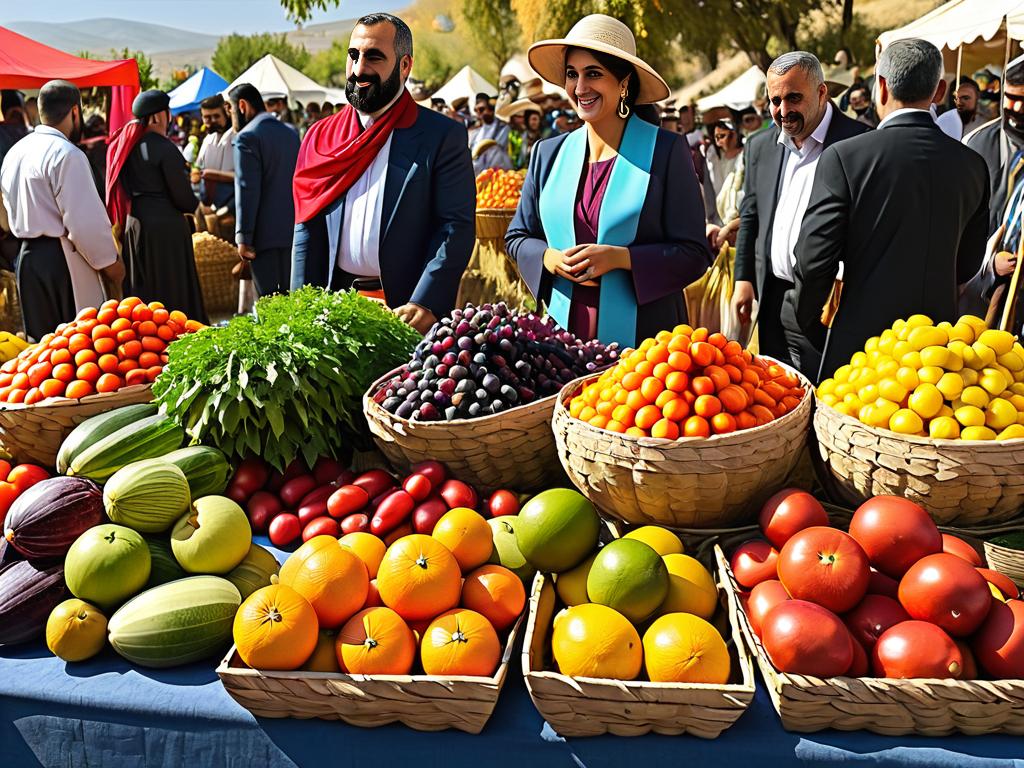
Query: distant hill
(98, 36)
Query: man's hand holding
(420, 318)
(113, 279)
(246, 252)
(743, 300)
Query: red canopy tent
(25, 63)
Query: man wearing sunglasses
(489, 142)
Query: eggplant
(47, 518)
(28, 593)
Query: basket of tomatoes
(105, 358)
(688, 430)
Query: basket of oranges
(931, 412)
(497, 196)
(103, 359)
(689, 430)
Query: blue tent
(204, 83)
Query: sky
(208, 16)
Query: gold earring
(623, 110)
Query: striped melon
(254, 571)
(176, 623)
(146, 496)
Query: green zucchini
(148, 438)
(94, 429)
(205, 468)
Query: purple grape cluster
(487, 359)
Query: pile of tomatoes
(101, 350)
(15, 480)
(499, 189)
(687, 382)
(893, 598)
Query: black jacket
(905, 208)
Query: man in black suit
(904, 208)
(780, 164)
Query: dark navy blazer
(265, 152)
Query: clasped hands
(583, 264)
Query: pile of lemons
(947, 381)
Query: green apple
(212, 537)
(506, 550)
(107, 564)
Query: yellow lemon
(962, 332)
(682, 648)
(867, 376)
(986, 355)
(691, 589)
(919, 321)
(950, 385)
(992, 381)
(943, 428)
(868, 393)
(593, 640)
(906, 422)
(829, 399)
(977, 433)
(944, 325)
(1000, 414)
(927, 336)
(827, 386)
(888, 340)
(1001, 342)
(891, 389)
(854, 403)
(571, 585)
(867, 414)
(886, 367)
(661, 540)
(875, 358)
(930, 374)
(946, 411)
(1017, 388)
(975, 396)
(898, 326)
(1018, 401)
(970, 376)
(860, 359)
(871, 344)
(970, 416)
(844, 409)
(842, 373)
(954, 361)
(926, 401)
(883, 411)
(912, 360)
(907, 376)
(900, 348)
(934, 355)
(1012, 432)
(971, 359)
(902, 333)
(976, 323)
(1011, 361)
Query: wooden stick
(1011, 294)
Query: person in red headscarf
(384, 189)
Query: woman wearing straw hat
(610, 227)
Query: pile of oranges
(120, 344)
(687, 382)
(359, 606)
(499, 189)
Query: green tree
(236, 53)
(328, 67)
(493, 25)
(432, 66)
(147, 79)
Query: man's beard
(1013, 125)
(76, 130)
(966, 117)
(375, 96)
(861, 111)
(238, 119)
(791, 127)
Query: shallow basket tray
(960, 482)
(33, 433)
(1008, 561)
(512, 449)
(492, 223)
(422, 702)
(218, 286)
(885, 705)
(714, 482)
(586, 706)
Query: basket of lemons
(932, 412)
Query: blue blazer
(428, 220)
(265, 153)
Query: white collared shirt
(49, 191)
(216, 152)
(359, 247)
(797, 179)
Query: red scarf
(119, 204)
(337, 151)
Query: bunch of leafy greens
(287, 382)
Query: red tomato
(314, 504)
(8, 494)
(880, 584)
(503, 503)
(417, 486)
(953, 545)
(24, 476)
(391, 513)
(806, 639)
(916, 649)
(947, 591)
(291, 492)
(326, 470)
(457, 494)
(251, 475)
(753, 562)
(263, 506)
(825, 566)
(788, 511)
(284, 529)
(347, 500)
(356, 522)
(999, 644)
(872, 616)
(374, 482)
(320, 526)
(763, 598)
(426, 515)
(970, 663)
(860, 666)
(1000, 581)
(434, 471)
(5, 469)
(895, 533)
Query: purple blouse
(586, 298)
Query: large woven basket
(1007, 561)
(491, 275)
(884, 705)
(960, 482)
(10, 306)
(715, 482)
(591, 706)
(422, 702)
(492, 223)
(215, 259)
(513, 449)
(33, 433)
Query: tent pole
(959, 67)
(1006, 63)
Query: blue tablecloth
(106, 712)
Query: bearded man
(384, 189)
(215, 159)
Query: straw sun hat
(604, 34)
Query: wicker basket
(512, 449)
(960, 482)
(884, 705)
(215, 259)
(10, 307)
(492, 223)
(592, 706)
(1009, 562)
(422, 702)
(34, 433)
(716, 482)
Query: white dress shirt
(359, 248)
(216, 152)
(49, 191)
(795, 184)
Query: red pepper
(391, 513)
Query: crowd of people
(626, 195)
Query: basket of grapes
(478, 395)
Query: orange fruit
(467, 536)
(723, 423)
(78, 342)
(331, 577)
(275, 628)
(677, 381)
(367, 548)
(665, 429)
(624, 415)
(32, 396)
(702, 385)
(632, 380)
(88, 372)
(593, 640)
(665, 397)
(109, 382)
(734, 399)
(695, 426)
(75, 389)
(676, 410)
(702, 353)
(647, 416)
(635, 400)
(683, 648)
(707, 406)
(85, 356)
(107, 363)
(52, 388)
(376, 641)
(651, 388)
(419, 578)
(496, 593)
(460, 642)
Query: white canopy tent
(961, 22)
(739, 94)
(466, 83)
(519, 66)
(272, 77)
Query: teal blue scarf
(617, 224)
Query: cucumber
(148, 438)
(205, 468)
(94, 429)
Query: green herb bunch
(288, 381)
